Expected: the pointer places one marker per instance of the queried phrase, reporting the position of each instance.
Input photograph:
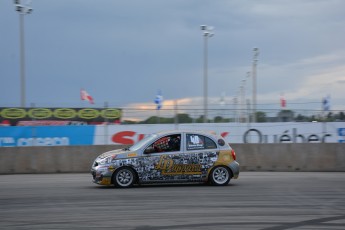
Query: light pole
(235, 108)
(207, 33)
(255, 59)
(248, 102)
(243, 100)
(22, 7)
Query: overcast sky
(123, 51)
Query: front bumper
(235, 168)
(101, 175)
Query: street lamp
(255, 60)
(242, 100)
(22, 7)
(248, 76)
(207, 33)
(235, 108)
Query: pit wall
(252, 157)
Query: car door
(189, 162)
(159, 159)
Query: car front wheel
(124, 178)
(220, 175)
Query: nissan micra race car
(168, 157)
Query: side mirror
(149, 149)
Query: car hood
(119, 153)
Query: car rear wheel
(124, 178)
(220, 175)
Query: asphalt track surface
(257, 200)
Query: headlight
(105, 161)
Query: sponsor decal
(71, 116)
(50, 122)
(65, 113)
(341, 134)
(7, 141)
(88, 113)
(194, 142)
(127, 137)
(168, 167)
(13, 113)
(132, 154)
(111, 113)
(46, 135)
(39, 113)
(43, 141)
(111, 168)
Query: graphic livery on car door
(166, 162)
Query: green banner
(16, 116)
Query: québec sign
(234, 133)
(285, 137)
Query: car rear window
(197, 141)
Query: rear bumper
(235, 169)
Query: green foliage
(260, 116)
(183, 118)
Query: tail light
(233, 154)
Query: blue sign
(341, 132)
(46, 135)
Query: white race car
(168, 157)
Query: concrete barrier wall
(252, 157)
(291, 157)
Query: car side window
(169, 143)
(195, 141)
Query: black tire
(124, 177)
(220, 176)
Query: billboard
(283, 132)
(46, 136)
(16, 116)
(258, 133)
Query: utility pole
(22, 9)
(255, 60)
(207, 33)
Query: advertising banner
(16, 116)
(280, 132)
(284, 132)
(46, 136)
(341, 134)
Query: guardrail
(252, 157)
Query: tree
(301, 118)
(285, 115)
(127, 122)
(184, 118)
(330, 117)
(260, 116)
(200, 119)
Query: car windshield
(143, 142)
